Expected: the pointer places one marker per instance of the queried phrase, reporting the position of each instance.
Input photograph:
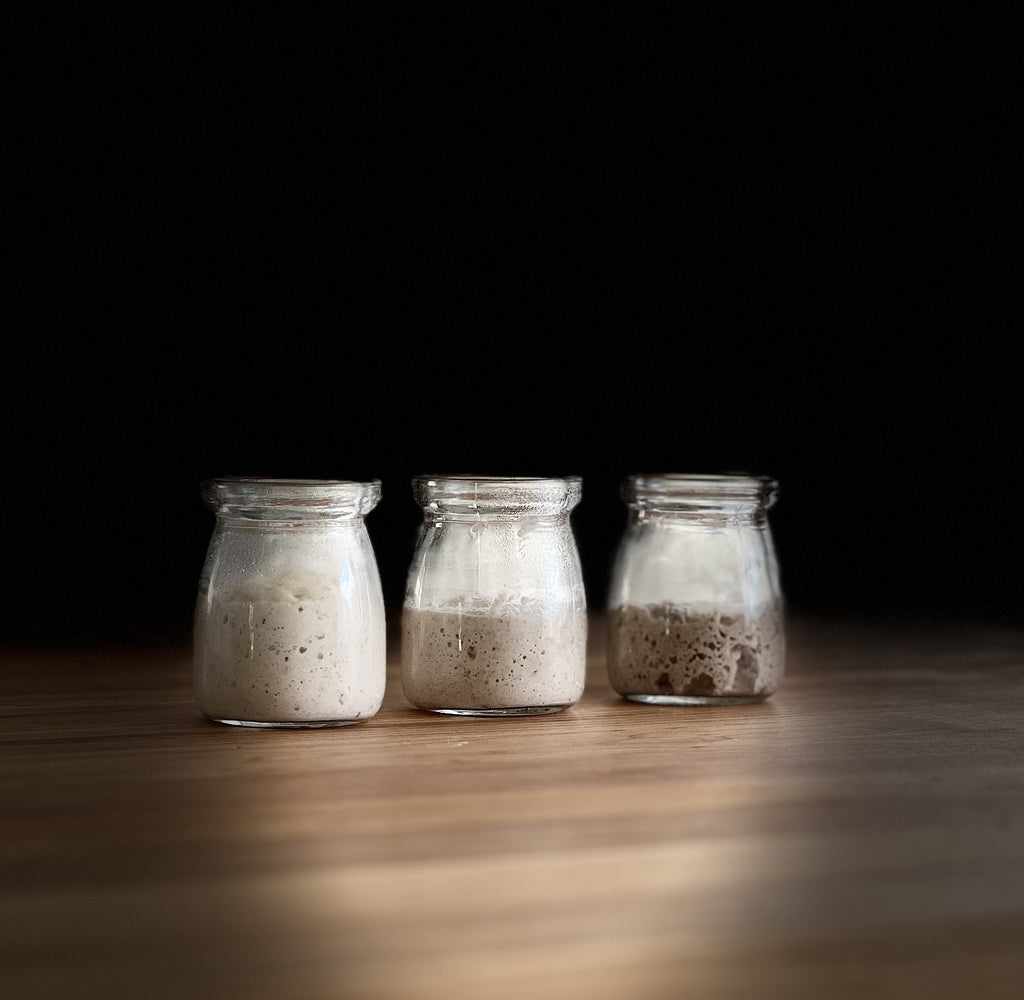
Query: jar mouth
(512, 494)
(267, 498)
(691, 488)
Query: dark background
(384, 245)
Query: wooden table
(861, 834)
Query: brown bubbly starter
(694, 652)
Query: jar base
(500, 712)
(696, 700)
(316, 724)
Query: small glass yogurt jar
(695, 609)
(289, 626)
(494, 621)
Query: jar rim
(515, 493)
(243, 493)
(456, 479)
(714, 487)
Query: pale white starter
(287, 649)
(497, 662)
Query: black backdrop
(289, 247)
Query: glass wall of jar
(695, 608)
(494, 620)
(289, 623)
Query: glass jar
(695, 609)
(289, 623)
(494, 620)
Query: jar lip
(714, 487)
(245, 492)
(461, 481)
(522, 493)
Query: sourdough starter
(498, 663)
(694, 653)
(287, 649)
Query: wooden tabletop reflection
(859, 834)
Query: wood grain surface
(861, 834)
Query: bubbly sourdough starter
(282, 650)
(694, 652)
(487, 662)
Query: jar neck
(292, 502)
(704, 517)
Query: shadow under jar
(695, 609)
(494, 621)
(289, 622)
